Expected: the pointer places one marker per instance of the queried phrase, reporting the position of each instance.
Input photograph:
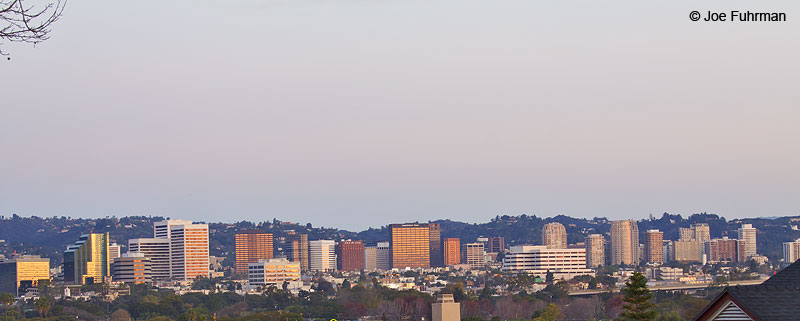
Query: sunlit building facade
(410, 245)
(252, 246)
(87, 260)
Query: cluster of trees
(363, 298)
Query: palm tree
(43, 305)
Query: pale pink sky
(362, 113)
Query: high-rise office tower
(452, 251)
(114, 251)
(370, 258)
(654, 246)
(298, 249)
(791, 251)
(411, 245)
(554, 236)
(595, 250)
(87, 260)
(157, 249)
(721, 250)
(687, 251)
(23, 271)
(435, 234)
(747, 233)
(188, 250)
(624, 242)
(496, 244)
(473, 254)
(322, 255)
(162, 229)
(133, 268)
(685, 234)
(383, 256)
(701, 232)
(350, 255)
(252, 246)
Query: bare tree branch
(21, 21)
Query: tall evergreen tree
(637, 306)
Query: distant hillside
(50, 236)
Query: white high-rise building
(747, 233)
(791, 251)
(114, 251)
(157, 249)
(473, 254)
(322, 255)
(162, 229)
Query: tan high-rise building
(87, 260)
(654, 246)
(701, 232)
(687, 251)
(496, 244)
(624, 242)
(411, 245)
(473, 255)
(26, 269)
(595, 250)
(445, 308)
(437, 257)
(747, 233)
(189, 251)
(452, 251)
(252, 246)
(685, 234)
(554, 236)
(350, 255)
(298, 249)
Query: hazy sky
(356, 113)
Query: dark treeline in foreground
(363, 299)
